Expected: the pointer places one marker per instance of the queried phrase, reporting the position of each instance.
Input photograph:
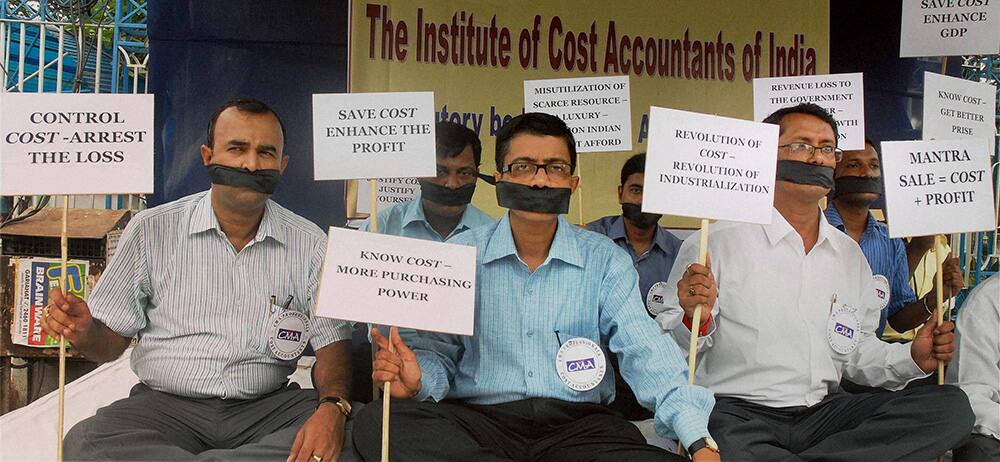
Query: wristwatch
(341, 403)
(703, 443)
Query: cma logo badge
(844, 330)
(290, 335)
(880, 293)
(578, 365)
(657, 299)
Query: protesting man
(443, 208)
(652, 249)
(791, 309)
(218, 287)
(857, 184)
(977, 369)
(552, 300)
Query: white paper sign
(391, 191)
(842, 95)
(957, 108)
(596, 109)
(937, 187)
(705, 166)
(373, 135)
(949, 28)
(75, 144)
(398, 281)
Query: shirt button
(531, 291)
(531, 374)
(531, 333)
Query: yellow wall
(472, 88)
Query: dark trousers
(979, 448)
(151, 425)
(529, 430)
(915, 424)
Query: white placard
(842, 95)
(596, 109)
(949, 28)
(54, 143)
(391, 191)
(706, 166)
(373, 135)
(398, 281)
(937, 187)
(957, 108)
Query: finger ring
(45, 311)
(317, 458)
(690, 290)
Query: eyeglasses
(829, 152)
(522, 169)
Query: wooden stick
(385, 409)
(696, 320)
(939, 252)
(64, 243)
(373, 207)
(373, 222)
(579, 192)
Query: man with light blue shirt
(218, 287)
(552, 301)
(652, 249)
(443, 209)
(857, 184)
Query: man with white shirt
(792, 311)
(977, 369)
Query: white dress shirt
(769, 343)
(977, 363)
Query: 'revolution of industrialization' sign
(596, 109)
(708, 166)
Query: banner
(475, 56)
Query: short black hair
(805, 108)
(250, 105)
(535, 123)
(452, 138)
(634, 164)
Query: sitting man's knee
(78, 443)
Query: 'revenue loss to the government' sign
(842, 95)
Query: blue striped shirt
(586, 287)
(407, 219)
(887, 257)
(202, 310)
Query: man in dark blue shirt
(652, 249)
(858, 178)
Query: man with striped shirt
(218, 288)
(857, 184)
(552, 301)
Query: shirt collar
(617, 231)
(779, 229)
(203, 219)
(414, 213)
(833, 217)
(564, 244)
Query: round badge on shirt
(655, 297)
(843, 329)
(882, 290)
(580, 364)
(288, 335)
